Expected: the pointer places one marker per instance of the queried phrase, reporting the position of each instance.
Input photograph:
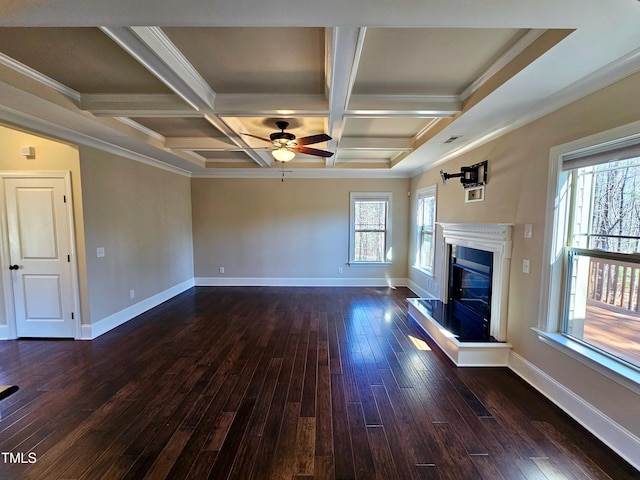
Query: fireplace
(485, 240)
(469, 320)
(469, 292)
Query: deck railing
(614, 282)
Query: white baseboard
(298, 282)
(418, 290)
(5, 333)
(89, 332)
(615, 436)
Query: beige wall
(141, 215)
(298, 228)
(50, 156)
(516, 193)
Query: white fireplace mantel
(495, 238)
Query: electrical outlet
(221, 269)
(100, 252)
(526, 265)
(132, 294)
(340, 270)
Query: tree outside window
(425, 229)
(603, 271)
(370, 228)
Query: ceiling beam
(399, 144)
(343, 47)
(404, 105)
(155, 51)
(136, 105)
(274, 105)
(270, 105)
(199, 143)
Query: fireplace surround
(496, 239)
(477, 260)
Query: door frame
(5, 257)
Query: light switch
(528, 230)
(526, 265)
(100, 252)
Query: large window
(370, 238)
(425, 229)
(595, 255)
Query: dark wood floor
(279, 383)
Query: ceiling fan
(287, 145)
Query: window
(593, 294)
(425, 229)
(370, 222)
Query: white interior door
(39, 248)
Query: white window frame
(423, 194)
(555, 258)
(359, 196)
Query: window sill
(428, 273)
(369, 264)
(614, 369)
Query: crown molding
(300, 173)
(615, 71)
(39, 77)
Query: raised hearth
(469, 322)
(462, 351)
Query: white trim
(360, 196)
(153, 49)
(418, 290)
(617, 70)
(94, 330)
(7, 282)
(39, 77)
(607, 365)
(494, 238)
(298, 282)
(556, 223)
(614, 435)
(512, 53)
(463, 354)
(63, 134)
(336, 172)
(430, 191)
(6, 333)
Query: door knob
(14, 267)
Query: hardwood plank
(220, 430)
(305, 446)
(343, 454)
(280, 382)
(324, 432)
(284, 458)
(401, 449)
(266, 451)
(227, 454)
(362, 458)
(381, 453)
(309, 388)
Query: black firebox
(470, 273)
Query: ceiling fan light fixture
(283, 154)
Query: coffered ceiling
(195, 85)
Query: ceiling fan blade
(312, 151)
(311, 139)
(255, 136)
